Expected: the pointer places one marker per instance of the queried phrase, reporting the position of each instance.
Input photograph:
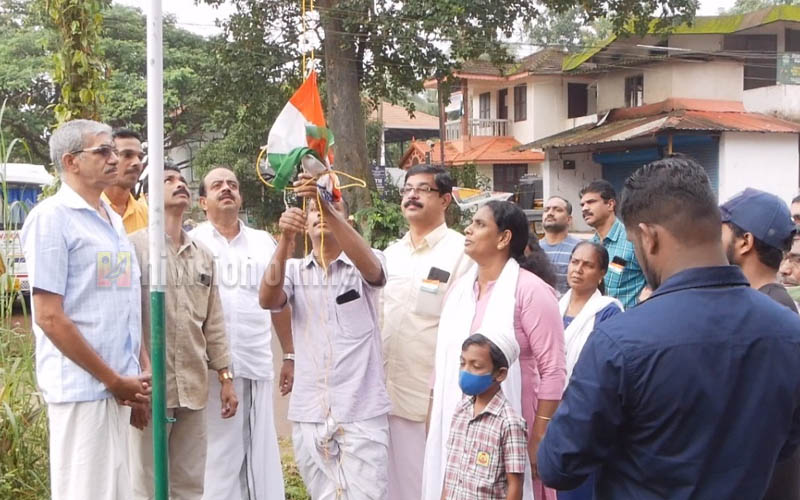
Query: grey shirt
(338, 361)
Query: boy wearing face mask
(487, 446)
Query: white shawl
(578, 331)
(454, 328)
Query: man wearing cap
(756, 229)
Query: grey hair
(71, 136)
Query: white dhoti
(343, 461)
(186, 446)
(244, 460)
(406, 456)
(89, 450)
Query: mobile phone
(347, 296)
(440, 275)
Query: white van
(20, 187)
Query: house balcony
(481, 127)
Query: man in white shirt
(86, 318)
(421, 267)
(243, 458)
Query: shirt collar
(616, 230)
(702, 277)
(71, 199)
(309, 260)
(430, 239)
(188, 242)
(242, 228)
(494, 407)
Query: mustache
(181, 190)
(225, 194)
(587, 213)
(410, 203)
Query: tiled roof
(671, 115)
(397, 117)
(479, 150)
(545, 61)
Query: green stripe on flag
(285, 165)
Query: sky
(200, 18)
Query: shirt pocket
(355, 319)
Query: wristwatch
(289, 356)
(226, 375)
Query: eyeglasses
(424, 189)
(104, 150)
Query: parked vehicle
(21, 186)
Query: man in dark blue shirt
(695, 393)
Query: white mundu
(243, 461)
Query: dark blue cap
(761, 214)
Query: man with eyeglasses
(119, 195)
(795, 209)
(421, 267)
(86, 319)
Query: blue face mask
(473, 384)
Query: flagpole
(155, 179)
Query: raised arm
(353, 245)
(270, 293)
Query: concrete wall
(549, 106)
(708, 80)
(780, 100)
(567, 183)
(763, 161)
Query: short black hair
(796, 199)
(313, 203)
(566, 201)
(126, 133)
(767, 254)
(499, 359)
(537, 261)
(602, 255)
(168, 165)
(675, 193)
(601, 187)
(444, 183)
(201, 191)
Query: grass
(292, 483)
(24, 466)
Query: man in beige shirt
(421, 268)
(129, 150)
(195, 343)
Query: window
(634, 91)
(502, 104)
(577, 100)
(483, 107)
(760, 70)
(520, 103)
(792, 40)
(505, 178)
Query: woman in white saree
(581, 308)
(498, 295)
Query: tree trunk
(345, 117)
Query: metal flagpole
(155, 179)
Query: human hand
(132, 391)
(227, 395)
(140, 417)
(286, 378)
(292, 222)
(305, 186)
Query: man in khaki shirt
(129, 168)
(195, 342)
(421, 268)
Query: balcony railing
(477, 127)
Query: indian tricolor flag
(299, 135)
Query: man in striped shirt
(557, 242)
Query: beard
(554, 227)
(730, 254)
